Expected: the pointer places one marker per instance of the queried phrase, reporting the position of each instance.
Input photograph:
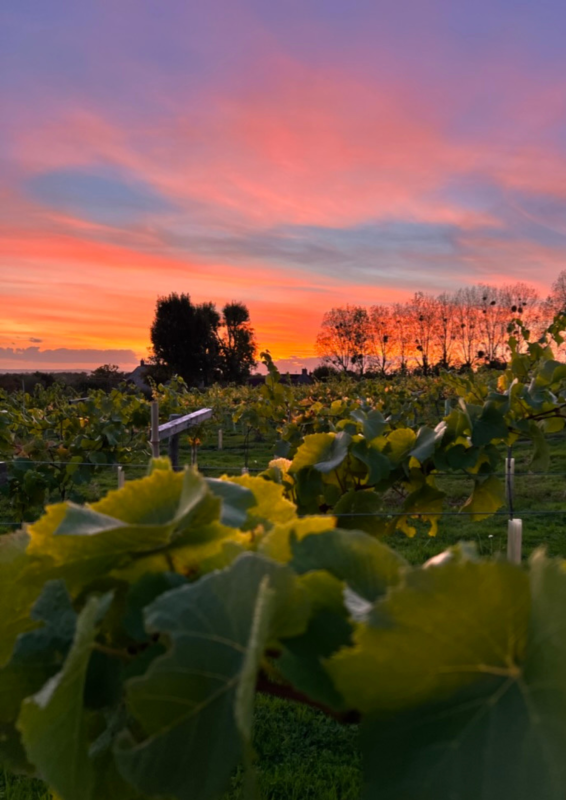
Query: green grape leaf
(425, 443)
(373, 422)
(142, 594)
(277, 543)
(309, 487)
(323, 451)
(378, 465)
(20, 589)
(540, 460)
(38, 654)
(360, 511)
(53, 723)
(270, 505)
(426, 502)
(399, 444)
(502, 736)
(167, 498)
(490, 425)
(551, 372)
(236, 501)
(194, 703)
(368, 566)
(433, 634)
(143, 516)
(301, 662)
(488, 496)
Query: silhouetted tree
(199, 344)
(237, 343)
(344, 340)
(185, 337)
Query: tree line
(465, 329)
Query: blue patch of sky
(99, 197)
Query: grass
(21, 788)
(303, 755)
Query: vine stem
(287, 692)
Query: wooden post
(3, 473)
(220, 438)
(121, 477)
(514, 540)
(173, 448)
(154, 441)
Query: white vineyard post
(154, 441)
(514, 526)
(514, 540)
(245, 471)
(121, 477)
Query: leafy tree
(201, 345)
(185, 337)
(237, 345)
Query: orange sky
(293, 161)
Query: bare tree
(402, 333)
(344, 338)
(382, 336)
(468, 308)
(423, 314)
(444, 330)
(556, 300)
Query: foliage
(183, 336)
(344, 457)
(56, 444)
(147, 622)
(199, 344)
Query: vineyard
(299, 556)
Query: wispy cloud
(294, 157)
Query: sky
(294, 155)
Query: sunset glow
(294, 156)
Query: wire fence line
(144, 464)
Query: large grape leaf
(270, 504)
(39, 653)
(323, 451)
(53, 723)
(277, 543)
(488, 496)
(500, 735)
(374, 423)
(427, 637)
(361, 511)
(378, 465)
(490, 425)
(19, 591)
(399, 444)
(193, 704)
(366, 565)
(236, 501)
(144, 516)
